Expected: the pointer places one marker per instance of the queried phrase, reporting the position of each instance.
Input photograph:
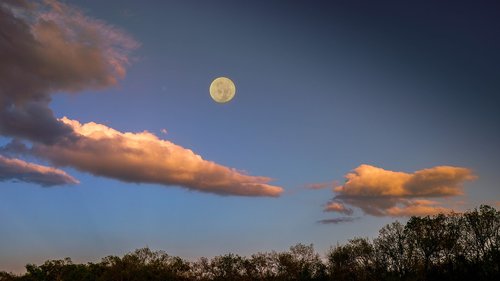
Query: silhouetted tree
(261, 266)
(483, 235)
(227, 267)
(354, 261)
(427, 235)
(4, 276)
(395, 255)
(300, 263)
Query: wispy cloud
(321, 185)
(52, 47)
(338, 220)
(337, 207)
(16, 169)
(381, 192)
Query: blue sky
(322, 88)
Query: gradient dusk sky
(347, 115)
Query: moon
(222, 90)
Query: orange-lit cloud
(440, 181)
(337, 208)
(144, 158)
(16, 169)
(381, 192)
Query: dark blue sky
(322, 88)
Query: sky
(348, 115)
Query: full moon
(222, 90)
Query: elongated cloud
(338, 220)
(381, 192)
(16, 169)
(47, 47)
(143, 157)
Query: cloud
(14, 147)
(16, 169)
(48, 47)
(144, 158)
(381, 192)
(51, 47)
(338, 220)
(417, 208)
(338, 208)
(20, 3)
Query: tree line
(456, 246)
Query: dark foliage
(442, 247)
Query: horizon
(400, 252)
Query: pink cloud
(16, 169)
(338, 208)
(80, 52)
(144, 158)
